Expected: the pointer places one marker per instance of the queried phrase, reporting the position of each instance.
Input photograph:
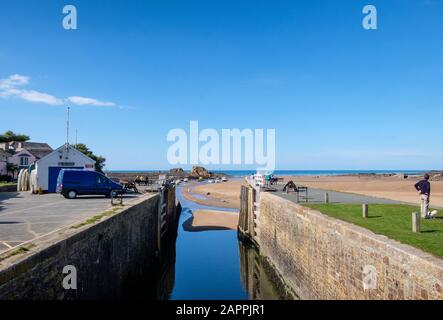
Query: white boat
(217, 180)
(185, 180)
(210, 181)
(259, 180)
(224, 179)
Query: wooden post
(365, 210)
(244, 210)
(251, 200)
(416, 222)
(326, 197)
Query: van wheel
(72, 194)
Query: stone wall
(110, 257)
(9, 188)
(259, 277)
(320, 257)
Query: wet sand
(204, 220)
(388, 187)
(224, 195)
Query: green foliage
(393, 221)
(19, 250)
(99, 160)
(10, 136)
(96, 218)
(3, 184)
(5, 180)
(12, 168)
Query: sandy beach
(227, 195)
(203, 220)
(224, 195)
(388, 187)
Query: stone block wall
(320, 257)
(110, 256)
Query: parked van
(72, 183)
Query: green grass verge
(7, 184)
(96, 218)
(19, 250)
(393, 221)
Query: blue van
(72, 183)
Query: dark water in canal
(210, 265)
(207, 263)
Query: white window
(24, 161)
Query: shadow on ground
(5, 196)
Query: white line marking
(10, 247)
(138, 198)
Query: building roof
(35, 145)
(71, 149)
(37, 149)
(4, 154)
(39, 153)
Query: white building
(26, 153)
(44, 174)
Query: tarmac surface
(318, 196)
(25, 217)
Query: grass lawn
(393, 221)
(6, 183)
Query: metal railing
(116, 198)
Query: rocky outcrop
(176, 171)
(436, 175)
(200, 172)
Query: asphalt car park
(24, 216)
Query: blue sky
(338, 96)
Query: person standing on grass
(424, 189)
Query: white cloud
(13, 87)
(13, 81)
(82, 101)
(39, 97)
(9, 92)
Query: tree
(12, 168)
(10, 136)
(99, 160)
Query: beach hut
(46, 170)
